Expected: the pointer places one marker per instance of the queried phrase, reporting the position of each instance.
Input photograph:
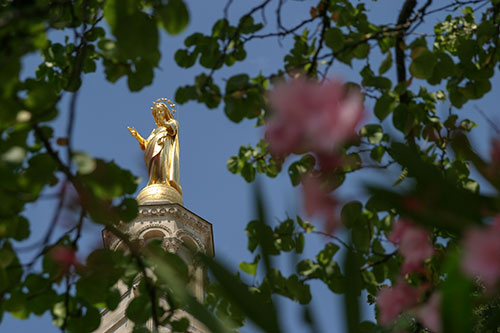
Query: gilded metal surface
(158, 193)
(161, 150)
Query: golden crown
(160, 101)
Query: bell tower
(162, 215)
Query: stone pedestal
(181, 232)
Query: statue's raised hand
(133, 131)
(140, 139)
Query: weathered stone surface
(181, 232)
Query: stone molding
(175, 226)
(173, 220)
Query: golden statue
(161, 154)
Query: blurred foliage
(410, 75)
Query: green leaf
(290, 287)
(128, 209)
(237, 82)
(262, 313)
(113, 299)
(361, 51)
(180, 325)
(142, 75)
(185, 59)
(306, 226)
(351, 213)
(108, 180)
(299, 168)
(7, 257)
(84, 163)
(353, 291)
(456, 303)
(248, 172)
(403, 118)
(139, 309)
(174, 16)
(185, 94)
(41, 97)
(386, 64)
(250, 268)
(325, 256)
(233, 164)
(17, 227)
(130, 26)
(352, 162)
(247, 25)
(234, 108)
(373, 132)
(383, 106)
(300, 241)
(334, 39)
(467, 125)
(377, 153)
(309, 268)
(422, 66)
(169, 274)
(361, 238)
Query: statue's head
(162, 111)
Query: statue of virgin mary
(161, 148)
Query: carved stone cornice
(173, 220)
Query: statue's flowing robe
(162, 155)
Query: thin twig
(488, 119)
(230, 39)
(381, 261)
(338, 239)
(66, 304)
(280, 33)
(226, 9)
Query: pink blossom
(414, 245)
(413, 204)
(495, 151)
(412, 267)
(283, 138)
(64, 256)
(392, 301)
(309, 116)
(317, 201)
(429, 314)
(482, 254)
(398, 230)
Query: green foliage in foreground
(427, 151)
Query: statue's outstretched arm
(140, 139)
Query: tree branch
(325, 25)
(404, 15)
(142, 266)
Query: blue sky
(207, 140)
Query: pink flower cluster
(64, 256)
(317, 201)
(482, 254)
(495, 152)
(414, 245)
(392, 301)
(309, 116)
(429, 314)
